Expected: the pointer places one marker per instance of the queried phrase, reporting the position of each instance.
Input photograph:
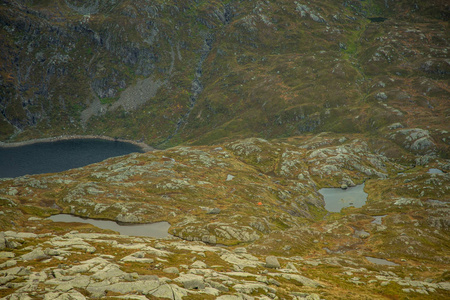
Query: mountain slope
(203, 71)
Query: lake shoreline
(155, 230)
(143, 146)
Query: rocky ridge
(247, 222)
(94, 265)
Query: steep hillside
(171, 72)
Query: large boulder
(272, 262)
(34, 255)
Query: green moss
(6, 129)
(109, 100)
(38, 211)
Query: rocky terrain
(77, 265)
(247, 222)
(253, 107)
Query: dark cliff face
(203, 71)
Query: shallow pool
(380, 261)
(156, 230)
(337, 198)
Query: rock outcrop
(264, 233)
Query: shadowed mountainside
(200, 72)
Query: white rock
(302, 279)
(191, 281)
(229, 297)
(198, 264)
(35, 254)
(132, 258)
(240, 260)
(143, 287)
(20, 235)
(6, 255)
(110, 271)
(171, 270)
(170, 291)
(248, 288)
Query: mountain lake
(51, 157)
(155, 230)
(337, 198)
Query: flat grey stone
(6, 279)
(170, 291)
(274, 282)
(215, 210)
(199, 265)
(171, 270)
(142, 287)
(229, 297)
(218, 286)
(240, 250)
(8, 263)
(139, 254)
(301, 279)
(210, 239)
(35, 254)
(20, 235)
(248, 288)
(52, 252)
(191, 281)
(6, 255)
(110, 271)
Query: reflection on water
(156, 230)
(337, 198)
(380, 261)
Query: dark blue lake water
(59, 156)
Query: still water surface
(337, 198)
(156, 230)
(59, 156)
(435, 171)
(380, 261)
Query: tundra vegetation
(252, 107)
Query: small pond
(434, 171)
(337, 198)
(377, 19)
(380, 261)
(155, 230)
